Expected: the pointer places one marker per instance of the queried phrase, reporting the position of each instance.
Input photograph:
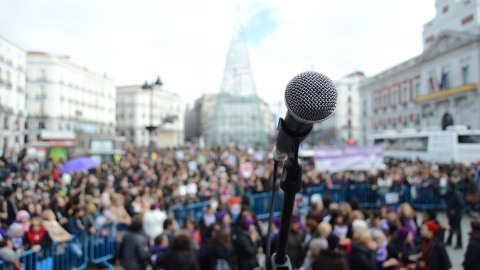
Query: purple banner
(334, 159)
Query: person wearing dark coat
(247, 245)
(221, 251)
(403, 248)
(12, 209)
(472, 256)
(455, 207)
(180, 256)
(332, 258)
(134, 251)
(363, 256)
(76, 223)
(434, 256)
(294, 244)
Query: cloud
(186, 42)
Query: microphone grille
(311, 97)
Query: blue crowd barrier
(70, 255)
(104, 243)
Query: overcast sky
(186, 42)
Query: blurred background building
(13, 112)
(237, 118)
(150, 105)
(343, 126)
(65, 100)
(436, 89)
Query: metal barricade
(261, 204)
(103, 244)
(190, 210)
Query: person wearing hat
(472, 258)
(224, 219)
(247, 244)
(295, 240)
(331, 258)
(434, 256)
(403, 248)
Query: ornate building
(436, 89)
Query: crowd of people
(39, 206)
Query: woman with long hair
(406, 218)
(221, 251)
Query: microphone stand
(290, 183)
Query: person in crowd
(37, 237)
(332, 257)
(221, 251)
(134, 249)
(404, 250)
(169, 228)
(23, 218)
(12, 208)
(16, 234)
(392, 214)
(406, 218)
(180, 255)
(208, 216)
(205, 258)
(247, 245)
(160, 247)
(152, 221)
(225, 220)
(8, 255)
(472, 256)
(339, 226)
(324, 229)
(433, 253)
(455, 207)
(191, 226)
(76, 223)
(118, 209)
(363, 254)
(316, 245)
(54, 229)
(295, 240)
(471, 193)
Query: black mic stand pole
(290, 183)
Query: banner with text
(334, 159)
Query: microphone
(310, 97)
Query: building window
(42, 75)
(385, 101)
(395, 98)
(349, 123)
(349, 87)
(349, 99)
(466, 75)
(446, 84)
(8, 80)
(417, 90)
(364, 108)
(41, 125)
(405, 96)
(376, 103)
(5, 122)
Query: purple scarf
(411, 226)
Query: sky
(186, 42)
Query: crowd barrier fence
(70, 255)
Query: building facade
(64, 98)
(140, 106)
(343, 126)
(436, 89)
(13, 112)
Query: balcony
(448, 92)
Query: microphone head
(311, 97)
